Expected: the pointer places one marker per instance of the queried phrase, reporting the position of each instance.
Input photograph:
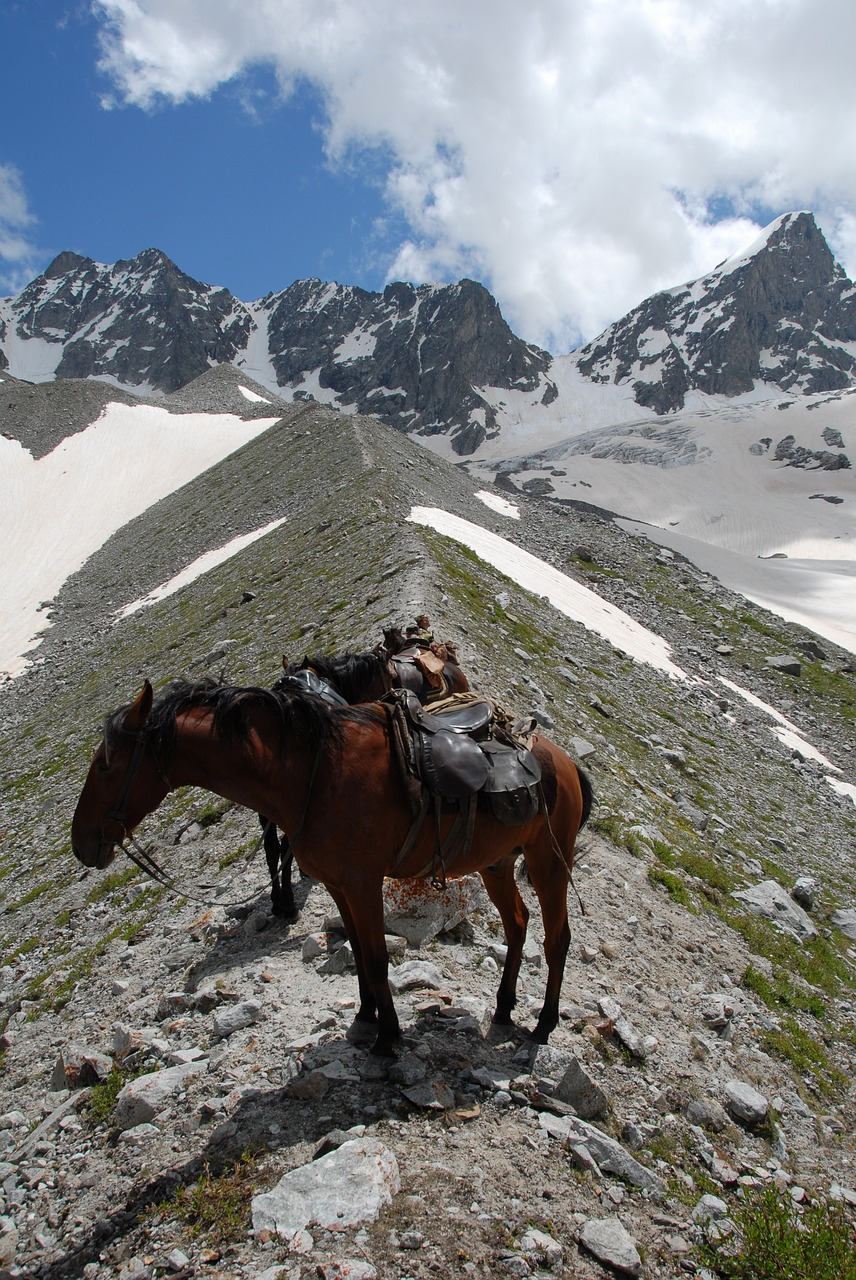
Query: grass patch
(106, 884)
(102, 1097)
(776, 1240)
(817, 960)
(780, 992)
(30, 896)
(217, 1208)
(673, 884)
(806, 1055)
(213, 813)
(708, 871)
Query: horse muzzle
(98, 852)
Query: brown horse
(332, 778)
(353, 677)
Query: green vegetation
(777, 1240)
(805, 1053)
(102, 1097)
(30, 896)
(674, 885)
(217, 1207)
(105, 885)
(780, 991)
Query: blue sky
(573, 155)
(238, 197)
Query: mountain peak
(64, 264)
(778, 312)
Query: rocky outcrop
(141, 321)
(421, 358)
(783, 313)
(439, 359)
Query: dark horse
(354, 677)
(332, 777)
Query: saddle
(419, 666)
(308, 681)
(458, 750)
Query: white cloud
(18, 255)
(575, 155)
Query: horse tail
(588, 795)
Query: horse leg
(278, 853)
(364, 906)
(366, 1016)
(549, 876)
(503, 892)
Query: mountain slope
(440, 360)
(419, 357)
(688, 775)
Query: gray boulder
(579, 1091)
(745, 1103)
(770, 900)
(141, 1099)
(845, 920)
(786, 663)
(611, 1244)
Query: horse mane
(349, 673)
(232, 707)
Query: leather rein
(145, 859)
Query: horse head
(124, 784)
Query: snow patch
(786, 731)
(496, 503)
(571, 598)
(197, 567)
(55, 512)
(252, 396)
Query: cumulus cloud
(575, 155)
(18, 255)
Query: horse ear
(138, 712)
(285, 662)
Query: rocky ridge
(417, 356)
(783, 314)
(681, 1006)
(441, 360)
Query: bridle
(143, 858)
(118, 813)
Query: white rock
(623, 1027)
(418, 912)
(845, 920)
(347, 1186)
(805, 891)
(710, 1209)
(235, 1017)
(414, 973)
(608, 1240)
(542, 1247)
(745, 1103)
(140, 1100)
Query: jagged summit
(423, 357)
(440, 360)
(781, 312)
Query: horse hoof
(541, 1035)
(361, 1032)
(285, 911)
(375, 1066)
